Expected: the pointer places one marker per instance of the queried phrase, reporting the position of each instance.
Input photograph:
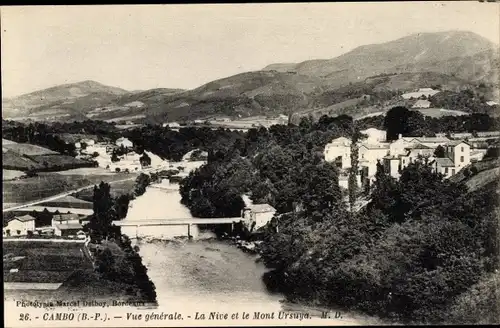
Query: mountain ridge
(454, 60)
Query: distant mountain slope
(61, 94)
(457, 52)
(453, 60)
(74, 101)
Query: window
(462, 149)
(446, 170)
(452, 171)
(461, 159)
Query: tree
(396, 121)
(114, 157)
(353, 172)
(145, 160)
(142, 181)
(104, 213)
(439, 152)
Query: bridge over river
(171, 226)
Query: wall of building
(460, 155)
(261, 219)
(16, 225)
(332, 152)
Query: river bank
(209, 273)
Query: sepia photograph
(313, 164)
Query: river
(208, 274)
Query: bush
(473, 170)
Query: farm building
(69, 218)
(172, 125)
(124, 142)
(19, 226)
(421, 103)
(68, 229)
(258, 215)
(427, 92)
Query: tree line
(410, 255)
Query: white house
(427, 92)
(172, 125)
(399, 146)
(373, 152)
(65, 219)
(421, 103)
(19, 226)
(457, 156)
(258, 215)
(68, 229)
(223, 119)
(339, 150)
(124, 142)
(88, 142)
(375, 135)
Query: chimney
(400, 136)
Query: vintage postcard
(251, 164)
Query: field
(117, 189)
(42, 262)
(49, 184)
(11, 174)
(28, 149)
(60, 162)
(86, 171)
(13, 161)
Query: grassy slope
(49, 184)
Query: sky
(140, 47)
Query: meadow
(42, 262)
(49, 184)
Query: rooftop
(418, 146)
(24, 218)
(455, 143)
(432, 139)
(66, 217)
(376, 146)
(260, 208)
(444, 162)
(69, 226)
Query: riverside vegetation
(423, 250)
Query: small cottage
(258, 215)
(68, 229)
(19, 226)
